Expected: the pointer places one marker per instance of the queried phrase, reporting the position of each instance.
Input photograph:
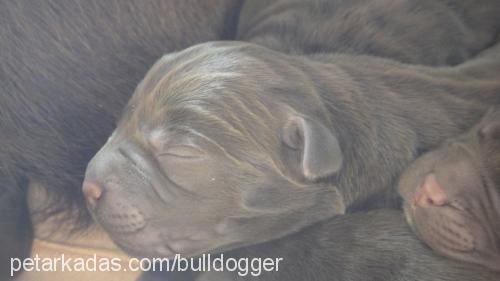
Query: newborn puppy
(452, 195)
(230, 144)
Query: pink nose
(431, 193)
(92, 192)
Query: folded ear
(491, 130)
(320, 149)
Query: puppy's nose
(431, 193)
(92, 192)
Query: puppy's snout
(92, 192)
(431, 193)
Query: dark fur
(430, 32)
(382, 113)
(66, 70)
(373, 246)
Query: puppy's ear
(490, 125)
(491, 131)
(320, 151)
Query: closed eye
(183, 151)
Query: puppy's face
(452, 195)
(208, 157)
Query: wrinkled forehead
(202, 77)
(215, 86)
(205, 63)
(208, 128)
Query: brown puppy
(452, 195)
(267, 143)
(230, 144)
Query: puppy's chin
(454, 233)
(445, 229)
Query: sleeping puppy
(452, 195)
(230, 144)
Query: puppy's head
(222, 145)
(452, 195)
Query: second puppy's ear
(320, 149)
(491, 130)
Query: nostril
(92, 192)
(430, 193)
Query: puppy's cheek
(445, 230)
